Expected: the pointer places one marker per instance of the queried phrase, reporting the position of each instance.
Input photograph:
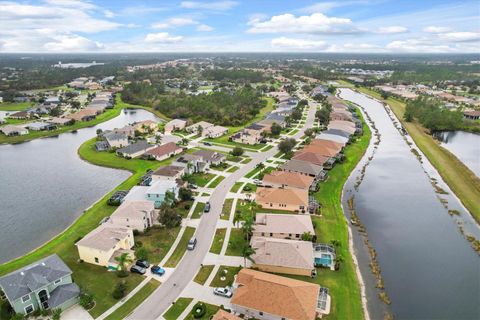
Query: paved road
(162, 298)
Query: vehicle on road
(192, 186)
(192, 243)
(207, 207)
(157, 270)
(257, 182)
(207, 144)
(143, 263)
(224, 292)
(138, 269)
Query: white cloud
(392, 29)
(460, 36)
(313, 24)
(162, 37)
(293, 43)
(418, 45)
(108, 14)
(204, 28)
(175, 22)
(83, 5)
(214, 6)
(72, 43)
(434, 29)
(329, 5)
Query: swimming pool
(324, 260)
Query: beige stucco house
(282, 199)
(282, 226)
(134, 214)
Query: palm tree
(247, 227)
(170, 198)
(123, 260)
(247, 253)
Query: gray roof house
(135, 149)
(45, 284)
(302, 167)
(210, 157)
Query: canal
(45, 186)
(464, 145)
(429, 269)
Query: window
(57, 281)
(29, 309)
(271, 234)
(297, 235)
(260, 313)
(96, 259)
(263, 234)
(26, 298)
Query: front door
(43, 296)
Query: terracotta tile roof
(282, 253)
(224, 315)
(287, 196)
(328, 143)
(311, 157)
(290, 179)
(281, 296)
(321, 150)
(283, 223)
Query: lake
(464, 145)
(45, 186)
(429, 269)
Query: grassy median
(176, 310)
(180, 249)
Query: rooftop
(283, 252)
(104, 238)
(288, 196)
(283, 223)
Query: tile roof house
(288, 180)
(61, 121)
(137, 215)
(338, 132)
(311, 157)
(282, 199)
(175, 124)
(203, 124)
(164, 151)
(283, 256)
(342, 125)
(215, 132)
(333, 137)
(265, 296)
(83, 115)
(45, 284)
(146, 126)
(224, 315)
(135, 149)
(282, 226)
(128, 130)
(104, 243)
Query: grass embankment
(463, 182)
(135, 301)
(218, 240)
(203, 274)
(15, 106)
(93, 279)
(176, 310)
(180, 249)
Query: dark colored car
(138, 269)
(207, 207)
(143, 263)
(157, 270)
(207, 144)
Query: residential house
(283, 256)
(43, 285)
(146, 126)
(136, 215)
(341, 115)
(282, 226)
(302, 167)
(282, 199)
(83, 115)
(174, 125)
(328, 143)
(61, 121)
(53, 100)
(11, 130)
(471, 115)
(102, 245)
(135, 149)
(250, 135)
(164, 151)
(333, 137)
(265, 296)
(192, 163)
(128, 130)
(202, 124)
(311, 157)
(41, 126)
(287, 180)
(116, 139)
(322, 149)
(224, 315)
(20, 115)
(170, 172)
(343, 125)
(210, 157)
(338, 132)
(157, 191)
(215, 132)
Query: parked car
(143, 263)
(207, 144)
(157, 270)
(192, 243)
(224, 292)
(138, 269)
(257, 182)
(192, 186)
(207, 207)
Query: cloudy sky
(238, 26)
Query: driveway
(161, 299)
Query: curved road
(168, 292)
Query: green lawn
(227, 207)
(183, 208)
(176, 310)
(236, 186)
(135, 301)
(225, 271)
(198, 211)
(293, 132)
(218, 240)
(180, 249)
(249, 188)
(201, 179)
(157, 241)
(93, 279)
(15, 106)
(236, 243)
(203, 274)
(253, 172)
(220, 167)
(216, 182)
(233, 169)
(211, 310)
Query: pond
(464, 145)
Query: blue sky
(240, 26)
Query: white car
(224, 292)
(257, 182)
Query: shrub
(119, 291)
(86, 301)
(56, 313)
(136, 232)
(199, 310)
(186, 207)
(141, 253)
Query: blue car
(157, 270)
